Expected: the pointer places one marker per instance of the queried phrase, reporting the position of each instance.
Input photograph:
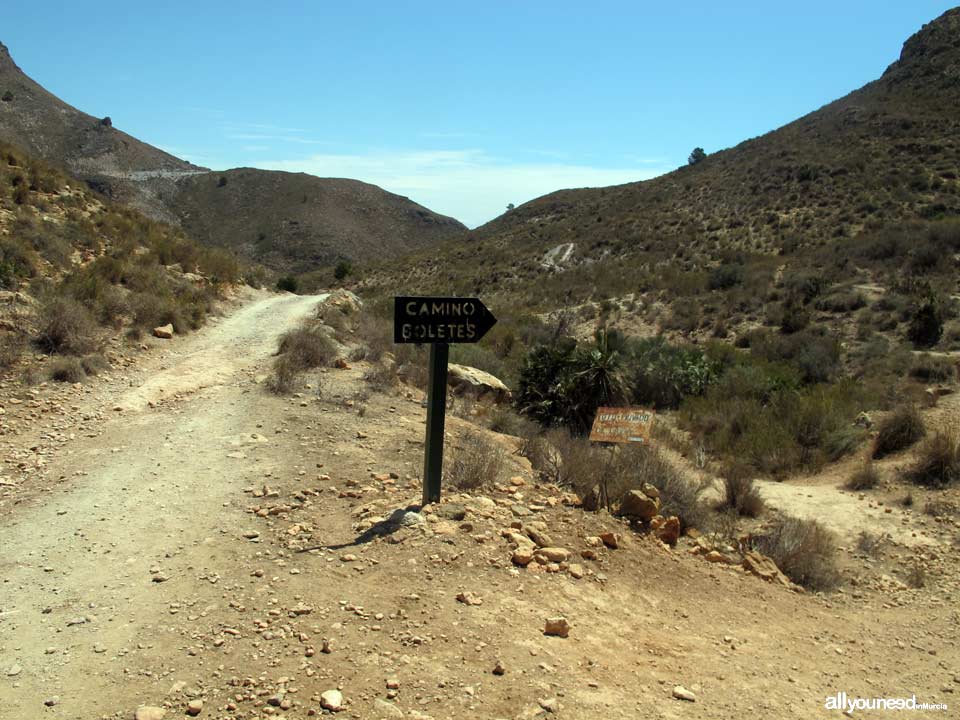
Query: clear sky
(462, 106)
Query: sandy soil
(206, 541)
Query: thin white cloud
(281, 138)
(469, 185)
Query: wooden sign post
(621, 425)
(438, 321)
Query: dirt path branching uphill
(210, 549)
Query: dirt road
(213, 544)
(77, 593)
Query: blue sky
(463, 107)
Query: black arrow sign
(440, 320)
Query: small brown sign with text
(622, 425)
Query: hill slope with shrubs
(771, 292)
(884, 155)
(76, 269)
(291, 222)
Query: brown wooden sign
(622, 425)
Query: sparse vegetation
(938, 462)
(475, 462)
(302, 349)
(803, 549)
(898, 431)
(740, 493)
(288, 283)
(867, 477)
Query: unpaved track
(152, 494)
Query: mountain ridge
(350, 221)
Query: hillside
(884, 154)
(288, 221)
(297, 222)
(77, 271)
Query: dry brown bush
(898, 431)
(938, 462)
(865, 478)
(302, 349)
(66, 327)
(740, 493)
(804, 550)
(475, 461)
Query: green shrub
(898, 431)
(725, 276)
(564, 384)
(804, 551)
(930, 368)
(16, 263)
(343, 268)
(938, 462)
(287, 283)
(926, 323)
(794, 318)
(661, 374)
(12, 347)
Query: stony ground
(178, 540)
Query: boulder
(149, 712)
(764, 568)
(552, 554)
(636, 505)
(557, 626)
(331, 700)
(468, 381)
(164, 331)
(667, 530)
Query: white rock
(681, 693)
(331, 700)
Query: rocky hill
(297, 222)
(884, 154)
(292, 222)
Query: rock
(523, 556)
(386, 709)
(668, 530)
(610, 539)
(636, 505)
(465, 380)
(14, 670)
(764, 568)
(540, 538)
(406, 518)
(650, 491)
(499, 668)
(552, 554)
(393, 683)
(551, 705)
(715, 556)
(51, 701)
(149, 712)
(468, 598)
(164, 331)
(575, 570)
(681, 693)
(557, 626)
(331, 700)
(451, 511)
(194, 707)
